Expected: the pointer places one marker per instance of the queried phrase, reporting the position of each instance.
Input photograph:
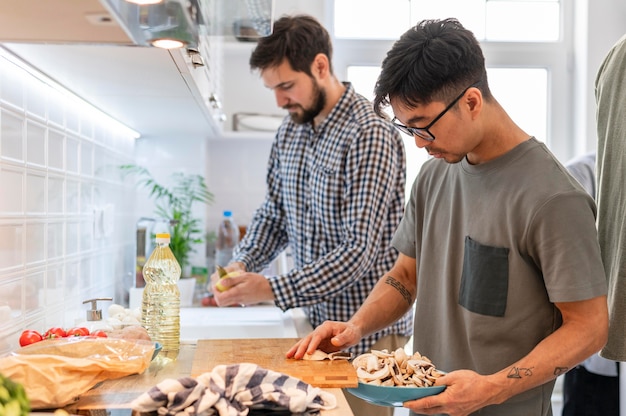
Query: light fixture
(169, 27)
(144, 2)
(167, 43)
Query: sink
(264, 321)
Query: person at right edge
(610, 90)
(498, 244)
(592, 387)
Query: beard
(308, 114)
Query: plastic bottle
(160, 309)
(227, 239)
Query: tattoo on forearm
(391, 281)
(560, 370)
(519, 372)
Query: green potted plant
(174, 204)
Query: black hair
(434, 60)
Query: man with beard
(335, 193)
(498, 246)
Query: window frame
(556, 57)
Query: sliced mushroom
(396, 369)
(379, 374)
(320, 355)
(417, 380)
(419, 363)
(400, 356)
(340, 355)
(382, 353)
(389, 382)
(361, 360)
(373, 364)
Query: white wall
(605, 22)
(58, 174)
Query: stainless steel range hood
(119, 22)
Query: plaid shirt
(335, 195)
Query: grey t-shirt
(496, 245)
(611, 126)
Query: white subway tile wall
(58, 174)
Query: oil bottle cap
(163, 238)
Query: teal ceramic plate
(157, 349)
(392, 396)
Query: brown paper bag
(56, 372)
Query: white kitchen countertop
(258, 321)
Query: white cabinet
(201, 70)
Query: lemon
(228, 276)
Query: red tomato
(29, 337)
(99, 333)
(79, 331)
(208, 301)
(55, 332)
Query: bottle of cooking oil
(160, 310)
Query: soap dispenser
(94, 316)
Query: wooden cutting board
(269, 353)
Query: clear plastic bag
(56, 372)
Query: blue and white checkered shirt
(335, 194)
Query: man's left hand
(244, 289)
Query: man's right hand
(237, 266)
(331, 336)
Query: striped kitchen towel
(232, 390)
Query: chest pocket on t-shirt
(485, 278)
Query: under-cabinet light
(43, 78)
(167, 43)
(170, 27)
(144, 2)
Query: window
(523, 92)
(525, 44)
(356, 19)
(491, 20)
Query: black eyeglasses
(423, 132)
